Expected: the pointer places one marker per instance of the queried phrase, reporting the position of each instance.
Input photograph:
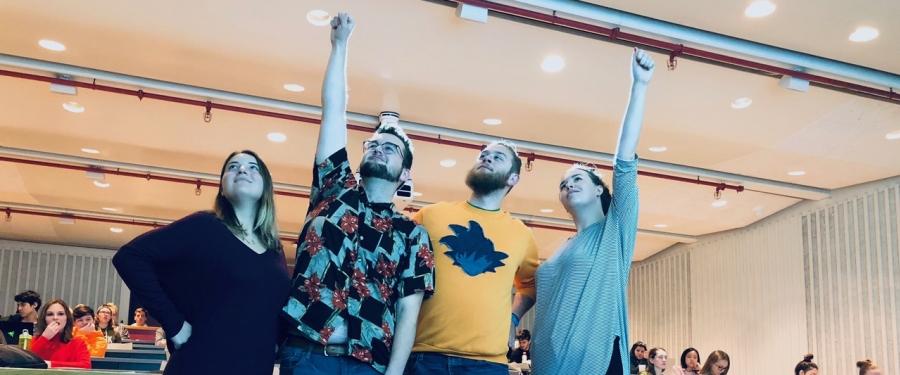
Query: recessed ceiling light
(892, 136)
(658, 149)
(90, 150)
(553, 64)
(864, 34)
(741, 103)
(116, 229)
(492, 121)
(318, 17)
(759, 8)
(547, 210)
(661, 225)
(52, 45)
(111, 209)
(276, 137)
(66, 220)
(101, 184)
(294, 87)
(797, 173)
(719, 203)
(416, 194)
(448, 163)
(73, 107)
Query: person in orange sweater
(56, 344)
(87, 330)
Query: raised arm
(641, 71)
(333, 132)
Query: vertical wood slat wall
(75, 274)
(820, 277)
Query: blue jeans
(300, 361)
(440, 364)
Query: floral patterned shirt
(355, 260)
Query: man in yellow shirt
(480, 254)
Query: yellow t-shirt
(479, 256)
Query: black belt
(330, 350)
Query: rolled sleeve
(330, 177)
(418, 275)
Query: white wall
(818, 277)
(75, 274)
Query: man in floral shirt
(363, 268)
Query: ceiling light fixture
(276, 137)
(864, 34)
(52, 45)
(73, 107)
(759, 8)
(553, 64)
(318, 17)
(741, 103)
(294, 87)
(492, 121)
(448, 163)
(658, 149)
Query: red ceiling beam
(141, 94)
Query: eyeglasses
(387, 147)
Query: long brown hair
(265, 227)
(41, 325)
(711, 361)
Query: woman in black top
(216, 281)
(638, 357)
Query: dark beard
(374, 170)
(485, 183)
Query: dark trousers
(302, 361)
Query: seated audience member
(658, 359)
(140, 317)
(690, 362)
(524, 348)
(55, 342)
(806, 366)
(27, 305)
(638, 357)
(717, 363)
(106, 323)
(867, 367)
(87, 330)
